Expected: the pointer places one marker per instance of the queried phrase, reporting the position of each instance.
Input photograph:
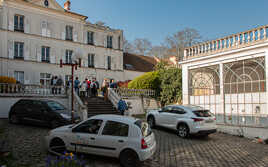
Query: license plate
(209, 121)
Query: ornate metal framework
(244, 91)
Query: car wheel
(54, 124)
(183, 131)
(13, 119)
(129, 158)
(151, 121)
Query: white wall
(7, 102)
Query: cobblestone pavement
(218, 150)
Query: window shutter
(38, 54)
(10, 49)
(52, 56)
(27, 25)
(11, 24)
(44, 28)
(75, 37)
(105, 42)
(85, 37)
(27, 52)
(63, 35)
(63, 57)
(113, 63)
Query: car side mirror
(160, 111)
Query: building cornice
(25, 6)
(51, 38)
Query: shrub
(5, 79)
(171, 86)
(149, 80)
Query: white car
(126, 138)
(184, 119)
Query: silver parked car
(185, 119)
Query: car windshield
(55, 106)
(203, 113)
(145, 128)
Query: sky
(157, 19)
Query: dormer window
(19, 23)
(46, 3)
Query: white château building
(36, 35)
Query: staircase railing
(78, 105)
(113, 97)
(124, 92)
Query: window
(90, 38)
(91, 126)
(45, 78)
(69, 33)
(19, 23)
(167, 109)
(203, 113)
(109, 62)
(109, 42)
(18, 50)
(177, 110)
(112, 128)
(68, 56)
(144, 127)
(119, 42)
(91, 60)
(45, 54)
(19, 76)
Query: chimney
(67, 5)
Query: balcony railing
(22, 90)
(239, 40)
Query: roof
(118, 118)
(138, 63)
(188, 107)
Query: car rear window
(144, 127)
(203, 113)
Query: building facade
(36, 35)
(228, 76)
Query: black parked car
(40, 112)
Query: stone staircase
(97, 105)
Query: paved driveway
(218, 150)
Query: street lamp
(75, 61)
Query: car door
(36, 112)
(164, 116)
(178, 115)
(83, 136)
(113, 138)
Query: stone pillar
(253, 35)
(259, 34)
(222, 98)
(185, 90)
(264, 33)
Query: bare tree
(127, 46)
(142, 46)
(158, 51)
(181, 39)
